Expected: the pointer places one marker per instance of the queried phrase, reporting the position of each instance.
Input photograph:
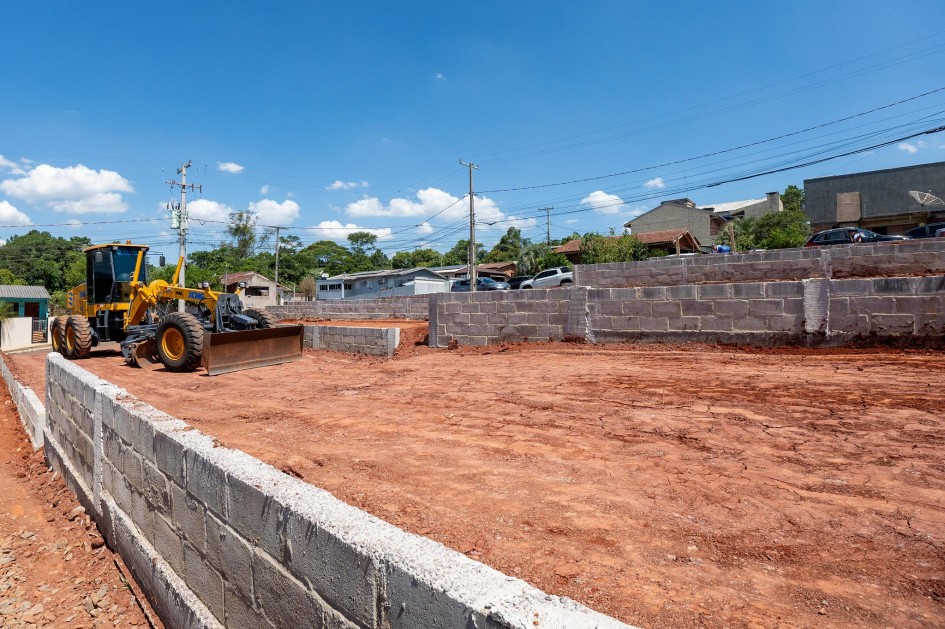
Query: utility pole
(179, 222)
(547, 211)
(277, 262)
(473, 279)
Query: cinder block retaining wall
(903, 310)
(412, 307)
(890, 259)
(217, 538)
(370, 341)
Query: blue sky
(330, 117)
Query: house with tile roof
(668, 241)
(704, 222)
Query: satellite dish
(925, 198)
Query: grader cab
(117, 303)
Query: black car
(515, 282)
(482, 283)
(846, 236)
(926, 231)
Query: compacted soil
(669, 486)
(55, 570)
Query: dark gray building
(877, 200)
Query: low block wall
(31, 410)
(412, 307)
(488, 317)
(217, 538)
(889, 259)
(370, 341)
(903, 311)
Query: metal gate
(40, 330)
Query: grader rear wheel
(57, 334)
(77, 337)
(180, 341)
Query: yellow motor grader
(116, 303)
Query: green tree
(362, 243)
(7, 278)
(242, 233)
(41, 259)
(777, 230)
(793, 198)
(459, 254)
(509, 247)
(535, 257)
(379, 260)
(598, 249)
(329, 256)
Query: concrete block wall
(888, 308)
(353, 340)
(889, 259)
(216, 538)
(816, 311)
(487, 317)
(31, 410)
(407, 307)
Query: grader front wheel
(180, 341)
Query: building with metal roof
(26, 301)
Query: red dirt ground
(55, 570)
(667, 486)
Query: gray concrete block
(254, 514)
(850, 288)
(784, 289)
(893, 286)
(714, 291)
(785, 323)
(752, 290)
(892, 324)
(190, 517)
(240, 613)
(204, 581)
(345, 577)
(231, 555)
(168, 544)
(851, 324)
(763, 307)
(206, 482)
(156, 490)
(282, 598)
(169, 457)
(696, 307)
(731, 308)
(710, 323)
(142, 515)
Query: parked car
(848, 235)
(516, 282)
(482, 283)
(926, 231)
(549, 278)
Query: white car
(550, 278)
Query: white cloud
(9, 215)
(446, 207)
(346, 185)
(439, 76)
(603, 203)
(655, 184)
(207, 210)
(264, 190)
(424, 228)
(230, 167)
(334, 230)
(908, 148)
(572, 221)
(74, 223)
(74, 189)
(12, 166)
(269, 212)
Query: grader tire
(180, 341)
(263, 319)
(78, 337)
(57, 335)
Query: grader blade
(224, 352)
(144, 354)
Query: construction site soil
(669, 486)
